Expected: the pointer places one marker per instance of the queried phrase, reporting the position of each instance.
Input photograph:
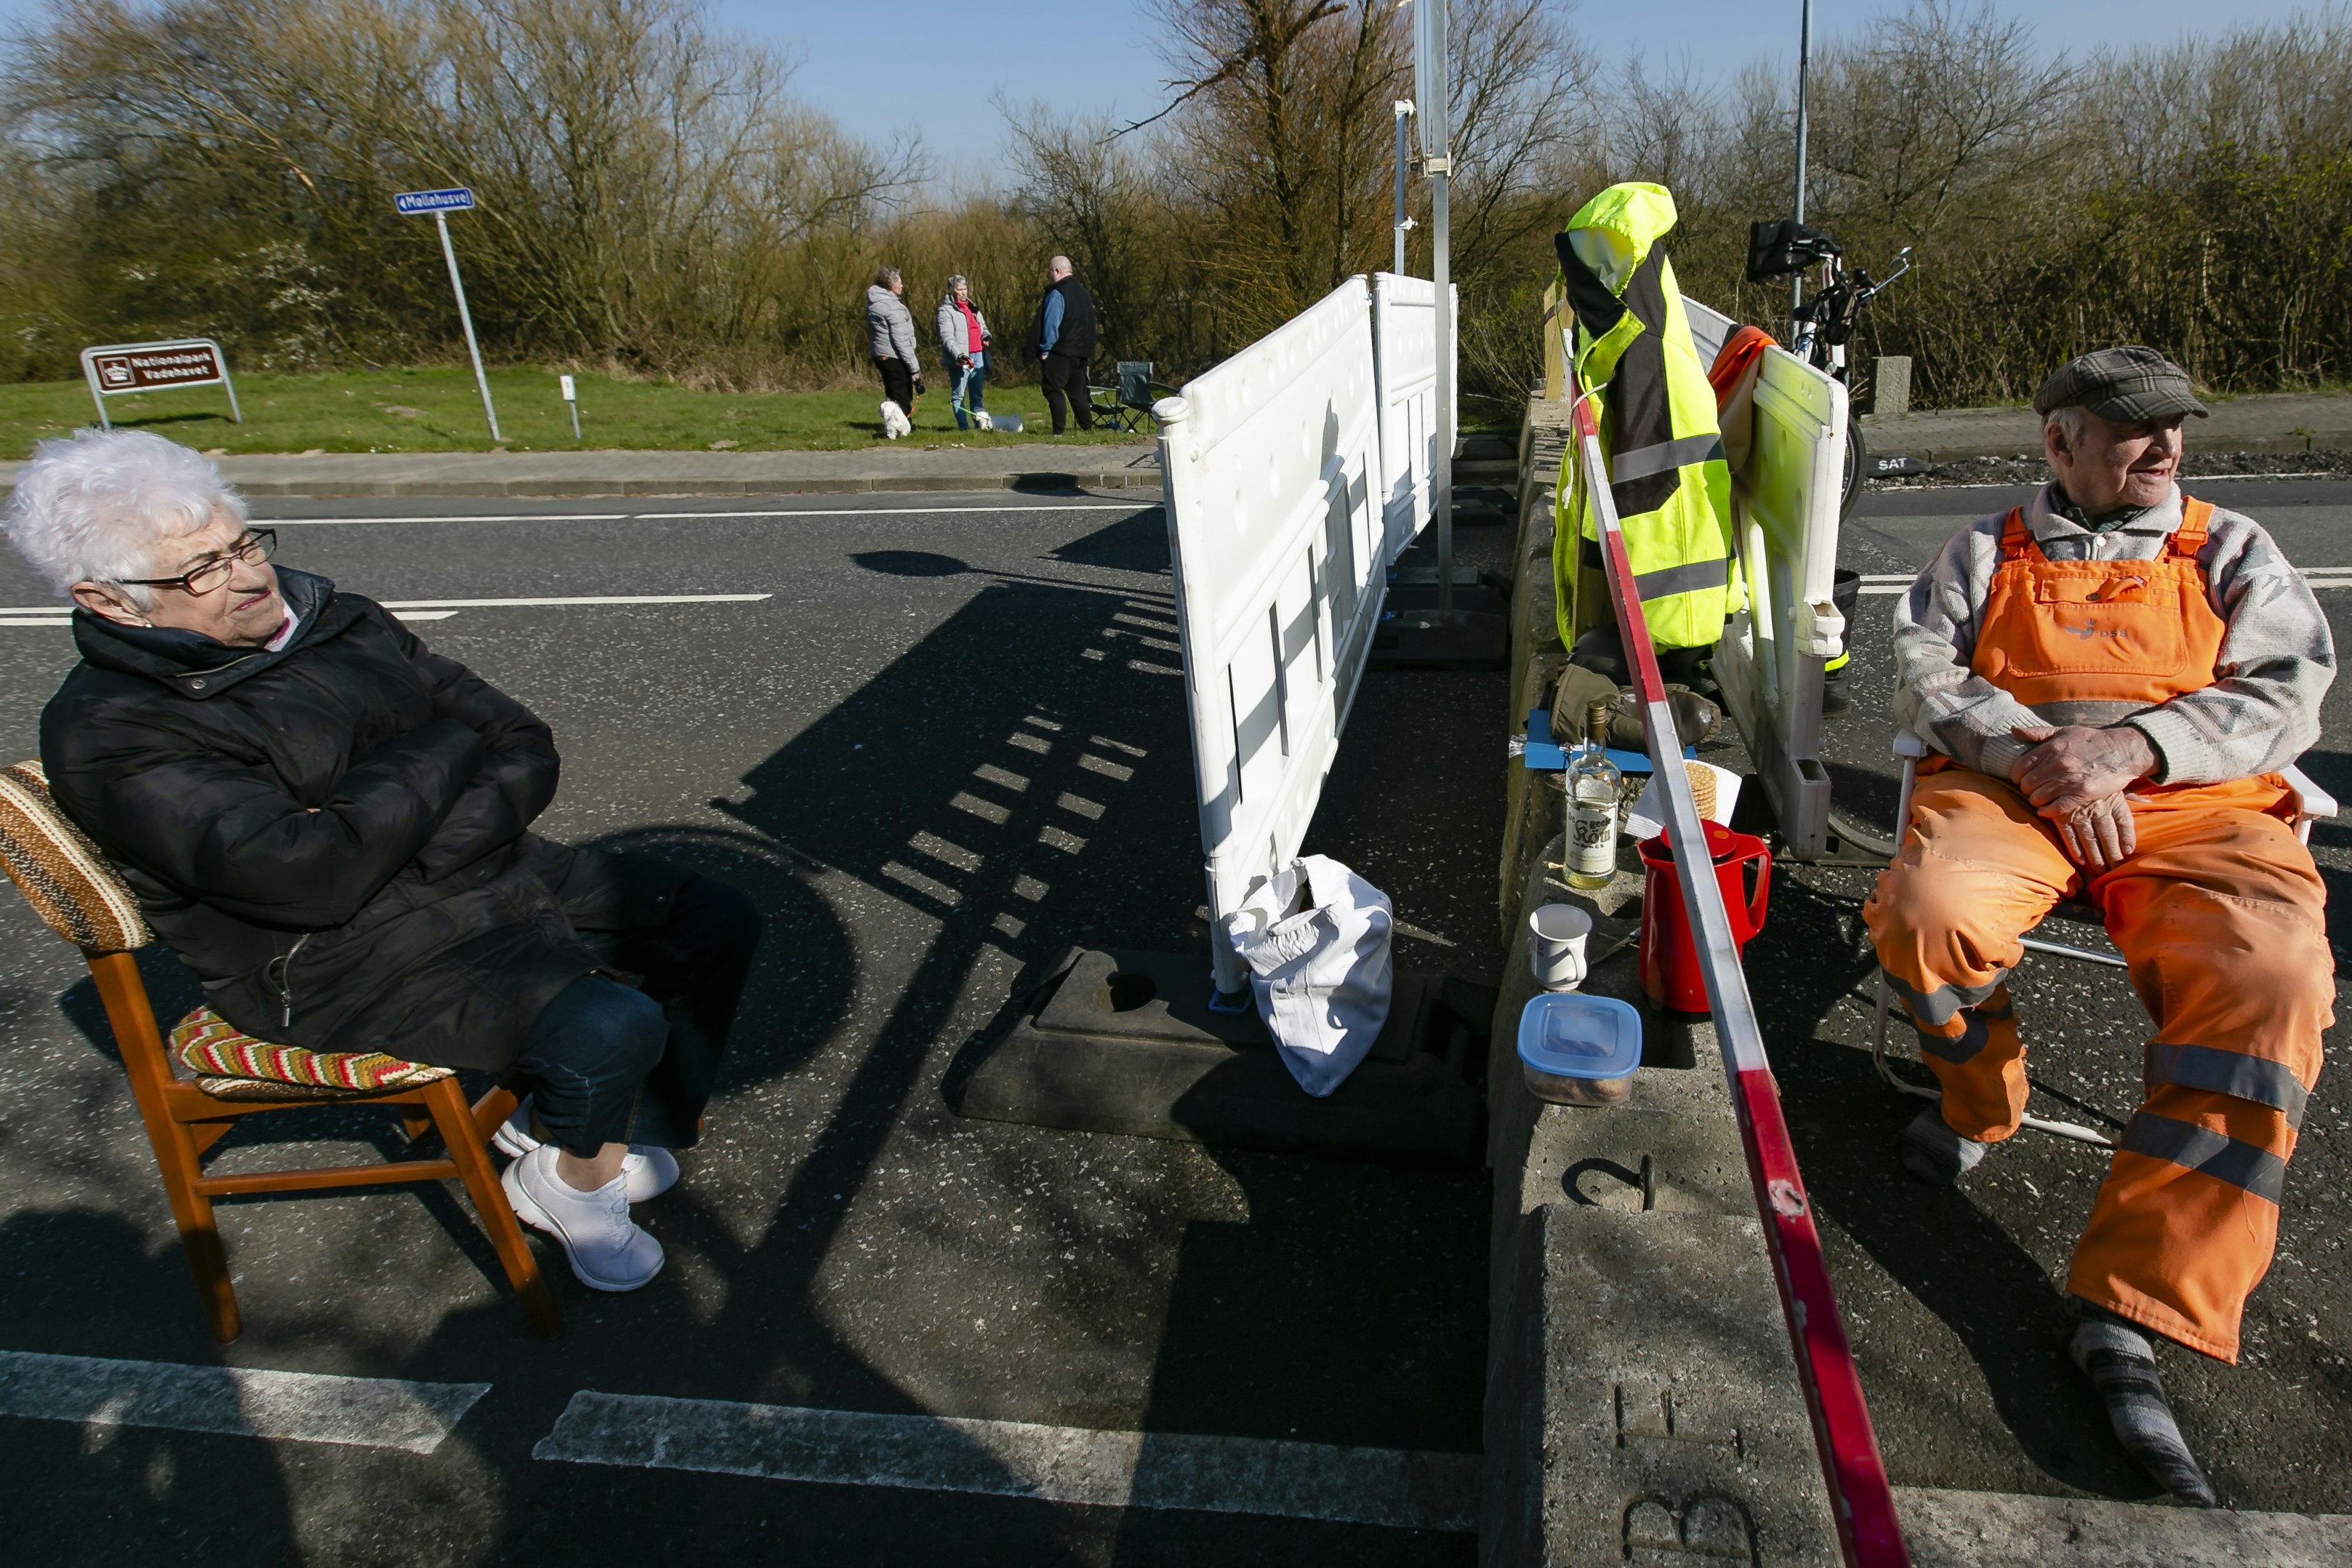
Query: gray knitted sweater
(2261, 711)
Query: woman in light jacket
(963, 345)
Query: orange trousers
(2220, 914)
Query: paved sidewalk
(1035, 466)
(2285, 421)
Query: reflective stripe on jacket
(1657, 421)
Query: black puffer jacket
(333, 836)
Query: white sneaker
(606, 1248)
(648, 1171)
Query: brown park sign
(118, 369)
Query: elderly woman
(963, 350)
(329, 825)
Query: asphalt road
(860, 751)
(843, 1243)
(1954, 1299)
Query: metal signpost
(1404, 222)
(1431, 110)
(441, 203)
(120, 369)
(570, 402)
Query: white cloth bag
(1317, 940)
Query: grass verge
(437, 409)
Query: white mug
(1557, 952)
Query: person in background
(963, 349)
(890, 331)
(1066, 342)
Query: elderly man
(2113, 673)
(328, 824)
(1065, 339)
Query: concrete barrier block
(1644, 1405)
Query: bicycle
(1783, 247)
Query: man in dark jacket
(329, 825)
(1065, 336)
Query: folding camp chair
(2312, 804)
(226, 1075)
(1137, 391)
(1108, 411)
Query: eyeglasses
(257, 545)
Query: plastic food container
(1576, 1049)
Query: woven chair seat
(233, 1065)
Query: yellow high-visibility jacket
(1657, 422)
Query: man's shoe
(648, 1171)
(1935, 1153)
(606, 1248)
(2121, 1364)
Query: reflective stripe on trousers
(2219, 913)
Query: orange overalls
(2218, 911)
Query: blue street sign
(413, 202)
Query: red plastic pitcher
(1671, 976)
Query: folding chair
(230, 1075)
(1105, 406)
(2312, 804)
(1137, 391)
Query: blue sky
(948, 55)
(932, 65)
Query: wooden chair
(230, 1075)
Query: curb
(553, 489)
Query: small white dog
(895, 423)
(979, 417)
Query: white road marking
(2316, 577)
(442, 609)
(1385, 1486)
(478, 518)
(2197, 479)
(906, 511)
(407, 604)
(291, 1406)
(690, 517)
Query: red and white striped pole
(1868, 1533)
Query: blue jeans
(964, 392)
(609, 1064)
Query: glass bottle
(1593, 784)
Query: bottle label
(1593, 852)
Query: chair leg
(124, 997)
(200, 1239)
(464, 1140)
(494, 1108)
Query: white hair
(2073, 422)
(99, 506)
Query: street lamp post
(1804, 83)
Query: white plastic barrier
(1404, 350)
(1785, 515)
(1270, 461)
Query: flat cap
(2125, 385)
